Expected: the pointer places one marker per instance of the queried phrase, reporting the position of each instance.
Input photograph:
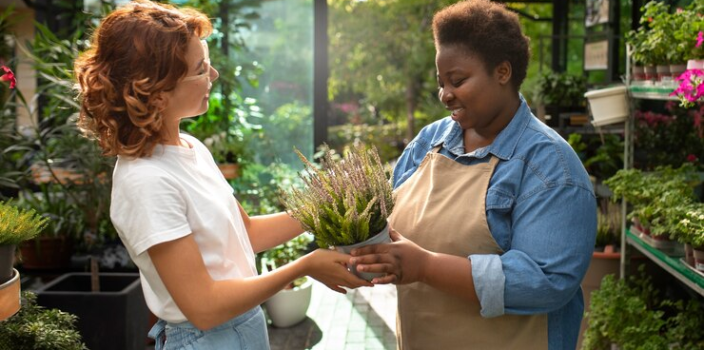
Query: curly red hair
(137, 52)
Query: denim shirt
(541, 210)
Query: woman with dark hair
(495, 216)
(147, 69)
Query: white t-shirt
(176, 192)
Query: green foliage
(624, 314)
(387, 138)
(232, 119)
(671, 138)
(65, 219)
(258, 189)
(384, 51)
(602, 157)
(633, 315)
(17, 225)
(608, 228)
(37, 328)
(289, 251)
(687, 324)
(561, 89)
(345, 202)
(291, 125)
(663, 201)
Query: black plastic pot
(116, 318)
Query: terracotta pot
(662, 71)
(689, 254)
(699, 259)
(46, 253)
(10, 296)
(650, 73)
(677, 69)
(638, 73)
(230, 170)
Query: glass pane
(281, 41)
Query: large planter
(10, 296)
(7, 261)
(608, 106)
(288, 307)
(115, 318)
(381, 237)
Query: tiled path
(363, 319)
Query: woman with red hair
(148, 68)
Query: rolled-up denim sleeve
(489, 280)
(553, 233)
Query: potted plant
(623, 314)
(35, 327)
(228, 151)
(288, 307)
(690, 231)
(16, 225)
(53, 246)
(345, 203)
(560, 93)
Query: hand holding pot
(402, 260)
(329, 267)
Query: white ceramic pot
(608, 106)
(10, 296)
(288, 307)
(695, 64)
(381, 237)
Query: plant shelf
(652, 92)
(672, 264)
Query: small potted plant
(16, 225)
(345, 203)
(36, 327)
(228, 151)
(288, 307)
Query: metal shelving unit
(674, 265)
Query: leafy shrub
(37, 328)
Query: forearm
(223, 300)
(268, 231)
(450, 274)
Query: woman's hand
(330, 268)
(402, 260)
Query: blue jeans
(244, 332)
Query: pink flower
(691, 158)
(700, 39)
(691, 87)
(8, 76)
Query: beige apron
(441, 207)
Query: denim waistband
(158, 331)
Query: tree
(383, 50)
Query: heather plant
(346, 201)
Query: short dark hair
(488, 30)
